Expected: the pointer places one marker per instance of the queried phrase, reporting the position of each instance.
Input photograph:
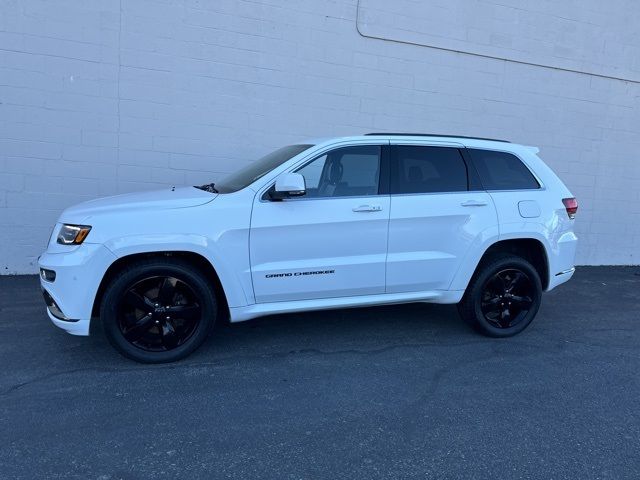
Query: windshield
(252, 172)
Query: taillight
(571, 204)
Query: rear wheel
(503, 296)
(158, 311)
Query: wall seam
(483, 55)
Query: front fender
(232, 270)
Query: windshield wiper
(209, 187)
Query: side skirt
(240, 314)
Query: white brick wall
(98, 98)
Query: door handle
(473, 203)
(367, 208)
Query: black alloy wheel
(159, 313)
(507, 298)
(503, 297)
(158, 310)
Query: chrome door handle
(367, 208)
(473, 203)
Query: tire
(158, 310)
(503, 296)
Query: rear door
(438, 212)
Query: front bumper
(77, 327)
(70, 296)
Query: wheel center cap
(159, 310)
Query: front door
(331, 242)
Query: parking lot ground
(391, 392)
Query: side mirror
(289, 185)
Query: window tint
(502, 171)
(427, 170)
(344, 172)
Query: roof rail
(435, 135)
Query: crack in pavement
(494, 345)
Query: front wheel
(158, 310)
(503, 296)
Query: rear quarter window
(502, 171)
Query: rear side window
(427, 170)
(502, 171)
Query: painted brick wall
(100, 98)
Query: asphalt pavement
(391, 392)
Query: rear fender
(474, 256)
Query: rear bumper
(560, 278)
(562, 260)
(78, 272)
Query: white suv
(367, 220)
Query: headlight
(73, 234)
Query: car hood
(169, 198)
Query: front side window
(252, 172)
(343, 172)
(502, 171)
(418, 169)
